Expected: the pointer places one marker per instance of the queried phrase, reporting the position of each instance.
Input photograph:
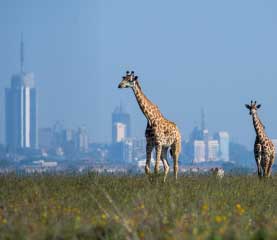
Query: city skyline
(195, 60)
(21, 109)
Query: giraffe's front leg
(149, 148)
(158, 157)
(258, 157)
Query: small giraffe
(160, 133)
(264, 149)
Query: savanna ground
(132, 207)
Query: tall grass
(132, 207)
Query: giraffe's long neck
(150, 110)
(259, 127)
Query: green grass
(128, 207)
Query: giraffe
(160, 133)
(264, 149)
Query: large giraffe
(160, 133)
(264, 149)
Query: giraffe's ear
(247, 106)
(258, 106)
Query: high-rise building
(128, 150)
(120, 116)
(213, 147)
(82, 140)
(21, 110)
(119, 132)
(199, 151)
(223, 139)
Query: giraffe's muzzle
(121, 85)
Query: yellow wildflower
(218, 219)
(240, 210)
(104, 216)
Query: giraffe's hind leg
(271, 163)
(165, 162)
(175, 150)
(268, 164)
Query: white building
(199, 151)
(213, 146)
(120, 131)
(82, 140)
(224, 142)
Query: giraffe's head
(253, 107)
(128, 81)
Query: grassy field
(132, 207)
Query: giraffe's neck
(259, 127)
(150, 110)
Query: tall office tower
(21, 109)
(213, 147)
(82, 140)
(128, 151)
(120, 116)
(206, 141)
(223, 139)
(205, 133)
(199, 151)
(119, 132)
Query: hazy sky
(188, 54)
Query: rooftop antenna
(21, 54)
(203, 119)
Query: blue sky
(188, 54)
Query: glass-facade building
(119, 116)
(224, 142)
(21, 113)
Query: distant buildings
(121, 125)
(224, 145)
(63, 141)
(199, 151)
(82, 140)
(21, 110)
(122, 150)
(120, 132)
(205, 148)
(213, 150)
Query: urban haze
(200, 63)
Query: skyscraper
(223, 139)
(119, 116)
(199, 151)
(119, 132)
(21, 109)
(213, 152)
